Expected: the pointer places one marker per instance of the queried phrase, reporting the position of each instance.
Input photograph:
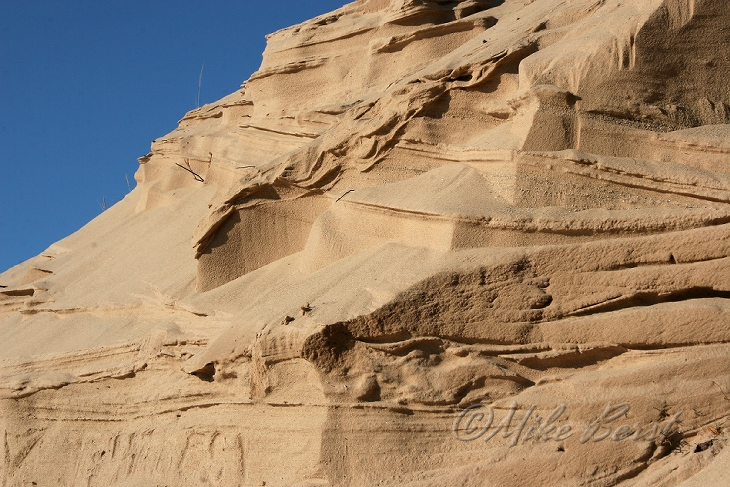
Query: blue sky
(85, 86)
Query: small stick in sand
(346, 192)
(723, 392)
(190, 170)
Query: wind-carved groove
(573, 359)
(667, 191)
(18, 292)
(289, 68)
(398, 43)
(642, 299)
(206, 373)
(432, 344)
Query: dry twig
(346, 192)
(723, 392)
(189, 169)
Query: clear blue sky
(86, 85)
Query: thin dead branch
(189, 169)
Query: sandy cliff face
(416, 216)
